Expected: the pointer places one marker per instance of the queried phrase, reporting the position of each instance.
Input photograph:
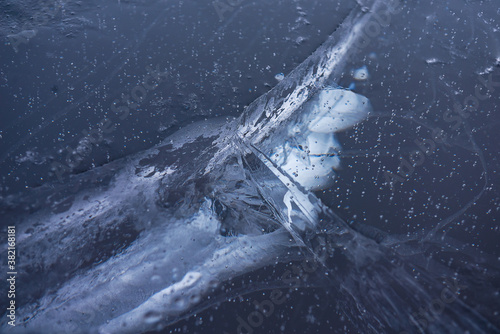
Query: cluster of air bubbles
(191, 103)
(30, 156)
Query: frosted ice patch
(310, 155)
(335, 110)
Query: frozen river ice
(246, 167)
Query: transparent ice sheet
(214, 203)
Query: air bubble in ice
(155, 278)
(361, 74)
(279, 76)
(152, 317)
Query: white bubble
(279, 76)
(361, 74)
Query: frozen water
(382, 198)
(310, 151)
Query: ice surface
(382, 187)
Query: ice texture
(152, 238)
